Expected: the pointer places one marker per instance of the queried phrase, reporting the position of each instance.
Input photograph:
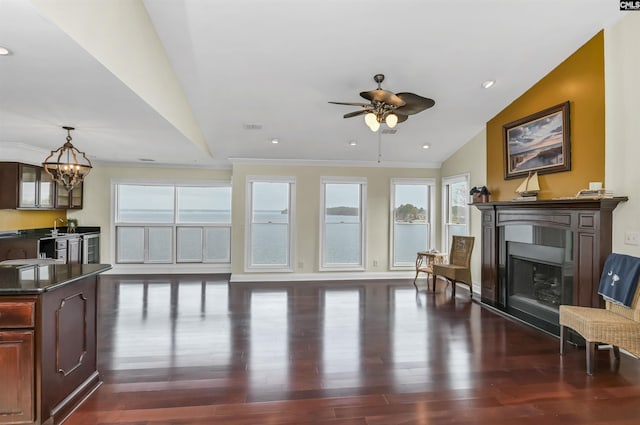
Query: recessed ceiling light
(275, 141)
(488, 83)
(426, 146)
(353, 143)
(146, 160)
(4, 51)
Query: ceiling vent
(250, 126)
(389, 131)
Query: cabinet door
(46, 189)
(62, 196)
(28, 186)
(16, 375)
(75, 201)
(73, 251)
(69, 199)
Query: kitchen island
(48, 323)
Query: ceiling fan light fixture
(391, 120)
(370, 119)
(375, 126)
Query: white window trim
(431, 183)
(446, 181)
(113, 225)
(248, 266)
(362, 181)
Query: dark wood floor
(195, 350)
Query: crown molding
(335, 163)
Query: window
(411, 217)
(455, 214)
(343, 203)
(173, 223)
(269, 240)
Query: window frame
(248, 258)
(431, 188)
(322, 265)
(446, 182)
(174, 224)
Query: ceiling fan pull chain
(379, 147)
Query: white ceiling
(276, 63)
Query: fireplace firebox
(539, 255)
(538, 273)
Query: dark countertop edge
(73, 279)
(39, 291)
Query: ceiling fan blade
(351, 104)
(401, 117)
(384, 96)
(355, 113)
(414, 103)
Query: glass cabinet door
(76, 197)
(46, 189)
(28, 186)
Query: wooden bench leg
(563, 339)
(591, 356)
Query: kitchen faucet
(54, 232)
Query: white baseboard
(294, 277)
(197, 268)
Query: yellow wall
(26, 219)
(580, 80)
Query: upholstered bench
(617, 325)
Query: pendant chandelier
(67, 165)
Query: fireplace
(538, 255)
(538, 273)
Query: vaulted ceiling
(198, 82)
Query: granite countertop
(46, 233)
(36, 279)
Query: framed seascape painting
(538, 143)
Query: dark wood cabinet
(70, 200)
(17, 357)
(47, 351)
(25, 186)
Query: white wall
(471, 158)
(622, 126)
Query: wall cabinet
(70, 200)
(24, 186)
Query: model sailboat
(529, 188)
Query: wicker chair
(458, 269)
(617, 325)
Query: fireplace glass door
(537, 273)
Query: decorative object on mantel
(528, 189)
(539, 142)
(479, 194)
(67, 165)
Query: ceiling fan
(385, 106)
